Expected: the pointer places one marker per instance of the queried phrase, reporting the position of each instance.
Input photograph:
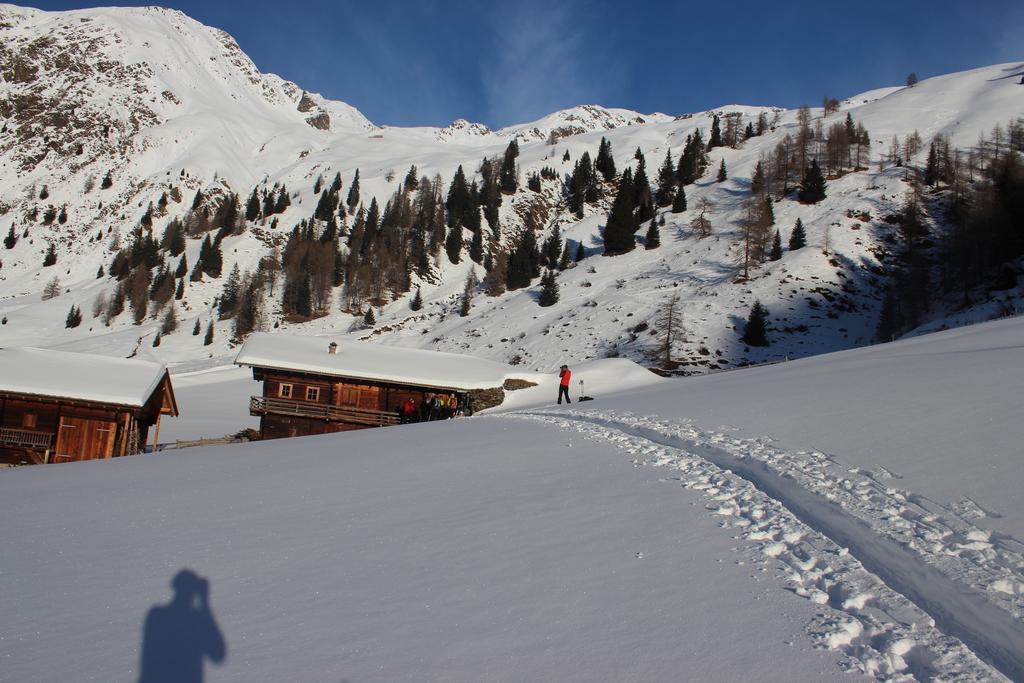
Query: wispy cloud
(1008, 43)
(541, 61)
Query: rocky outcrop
(489, 398)
(321, 120)
(306, 103)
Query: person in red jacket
(563, 386)
(408, 411)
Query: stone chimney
(333, 348)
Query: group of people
(435, 407)
(446, 406)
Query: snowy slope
(225, 126)
(810, 537)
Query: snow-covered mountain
(165, 106)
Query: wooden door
(82, 439)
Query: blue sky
(428, 62)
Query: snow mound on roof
(82, 376)
(376, 363)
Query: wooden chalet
(57, 406)
(312, 385)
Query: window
(28, 420)
(284, 390)
(312, 393)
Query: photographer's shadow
(178, 636)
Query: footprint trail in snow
(908, 589)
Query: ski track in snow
(909, 589)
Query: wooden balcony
(263, 405)
(23, 438)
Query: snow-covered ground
(847, 515)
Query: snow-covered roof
(373, 362)
(79, 376)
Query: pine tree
(228, 215)
(467, 293)
(812, 189)
(156, 339)
(170, 322)
(722, 175)
(715, 140)
(509, 177)
(204, 253)
(621, 225)
(653, 238)
(99, 272)
(797, 238)
(755, 333)
(250, 309)
(369, 319)
(173, 239)
(582, 186)
(208, 339)
(580, 253)
(931, 169)
(107, 181)
(888, 319)
(411, 179)
(476, 247)
(50, 258)
(252, 208)
(693, 162)
(229, 295)
(453, 243)
(643, 200)
(417, 301)
(666, 181)
(523, 261)
(552, 248)
(195, 329)
(353, 194)
(605, 163)
(283, 200)
(74, 318)
(757, 180)
(179, 292)
(776, 253)
(11, 238)
(565, 259)
(326, 206)
(213, 262)
(458, 199)
(548, 290)
(679, 201)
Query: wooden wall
(332, 391)
(77, 432)
(364, 395)
(282, 427)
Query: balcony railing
(24, 438)
(263, 405)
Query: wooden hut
(313, 385)
(57, 406)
